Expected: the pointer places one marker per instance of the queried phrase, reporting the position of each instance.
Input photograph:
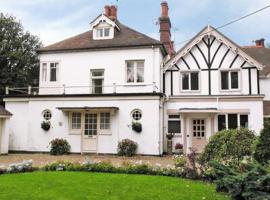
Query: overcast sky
(55, 20)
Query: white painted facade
(200, 108)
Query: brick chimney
(111, 12)
(107, 10)
(260, 42)
(165, 28)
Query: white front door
(90, 132)
(199, 134)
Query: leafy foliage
(127, 148)
(59, 147)
(46, 126)
(229, 146)
(262, 151)
(19, 65)
(250, 183)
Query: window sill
(134, 84)
(230, 91)
(190, 91)
(106, 134)
(74, 132)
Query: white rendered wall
(4, 135)
(265, 87)
(26, 134)
(254, 108)
(227, 64)
(75, 67)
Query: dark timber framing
(258, 82)
(171, 83)
(249, 81)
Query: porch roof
(4, 113)
(86, 108)
(198, 110)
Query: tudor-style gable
(211, 64)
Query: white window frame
(136, 110)
(48, 72)
(44, 72)
(238, 119)
(96, 77)
(56, 67)
(230, 89)
(71, 130)
(189, 84)
(105, 131)
(102, 28)
(135, 72)
(174, 119)
(46, 111)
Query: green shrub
(229, 146)
(180, 160)
(262, 151)
(253, 183)
(59, 147)
(127, 148)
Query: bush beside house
(59, 147)
(127, 148)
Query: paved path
(43, 159)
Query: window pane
(97, 86)
(53, 72)
(244, 121)
(174, 127)
(221, 122)
(140, 72)
(185, 81)
(99, 32)
(232, 121)
(195, 81)
(76, 121)
(234, 80)
(224, 80)
(174, 116)
(44, 72)
(130, 72)
(106, 32)
(105, 121)
(97, 73)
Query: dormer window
(103, 33)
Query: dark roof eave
(161, 46)
(84, 95)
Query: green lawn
(95, 186)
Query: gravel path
(43, 159)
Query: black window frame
(191, 80)
(228, 81)
(174, 118)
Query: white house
(95, 85)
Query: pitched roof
(126, 37)
(262, 55)
(4, 112)
(209, 30)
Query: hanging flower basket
(137, 127)
(46, 126)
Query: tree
(262, 152)
(19, 62)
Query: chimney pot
(113, 15)
(165, 9)
(260, 42)
(107, 10)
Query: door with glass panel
(90, 132)
(198, 134)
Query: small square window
(190, 81)
(76, 121)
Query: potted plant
(137, 127)
(178, 149)
(169, 142)
(46, 126)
